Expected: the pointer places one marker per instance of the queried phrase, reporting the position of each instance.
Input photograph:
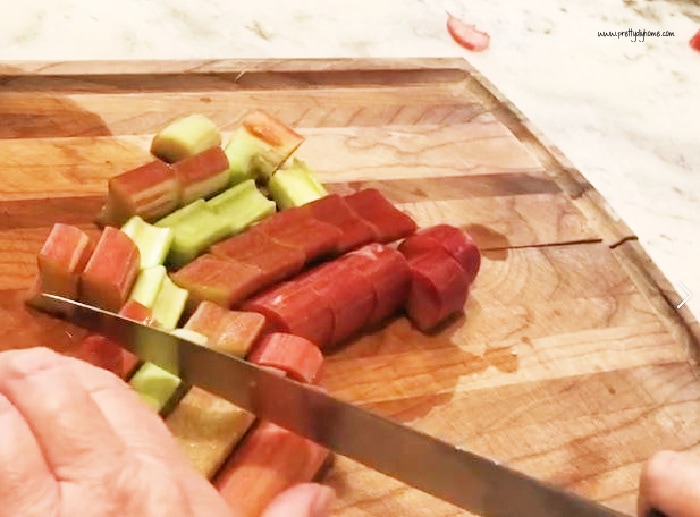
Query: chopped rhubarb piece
(291, 308)
(111, 271)
(155, 385)
(207, 428)
(333, 209)
(260, 146)
(242, 206)
(349, 294)
(147, 285)
(389, 222)
(153, 242)
(149, 191)
(387, 271)
(458, 243)
(298, 357)
(191, 336)
(277, 261)
(314, 238)
(268, 461)
(137, 312)
(226, 282)
(61, 261)
(695, 41)
(295, 186)
(185, 137)
(169, 304)
(466, 35)
(439, 289)
(232, 332)
(201, 175)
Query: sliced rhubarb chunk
(169, 304)
(207, 428)
(61, 261)
(221, 281)
(201, 175)
(242, 206)
(333, 209)
(458, 243)
(276, 260)
(439, 288)
(233, 332)
(155, 385)
(147, 285)
(387, 271)
(269, 460)
(260, 146)
(314, 238)
(291, 308)
(191, 336)
(153, 242)
(138, 312)
(298, 357)
(295, 185)
(349, 294)
(195, 227)
(149, 191)
(185, 137)
(389, 222)
(111, 271)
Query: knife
(450, 473)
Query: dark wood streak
(43, 212)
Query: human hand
(76, 440)
(670, 483)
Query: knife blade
(450, 473)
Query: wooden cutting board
(571, 362)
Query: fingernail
(321, 505)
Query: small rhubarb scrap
(153, 242)
(299, 358)
(111, 271)
(232, 332)
(466, 35)
(295, 185)
(202, 175)
(259, 147)
(185, 137)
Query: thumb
(303, 500)
(669, 483)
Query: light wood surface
(571, 362)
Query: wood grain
(570, 361)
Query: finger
(669, 483)
(27, 486)
(303, 500)
(148, 437)
(76, 440)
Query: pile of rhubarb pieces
(240, 248)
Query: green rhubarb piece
(169, 304)
(195, 227)
(241, 206)
(147, 285)
(241, 152)
(295, 186)
(185, 137)
(153, 242)
(155, 385)
(192, 336)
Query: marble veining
(626, 113)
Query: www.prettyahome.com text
(638, 35)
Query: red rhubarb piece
(695, 41)
(298, 357)
(111, 271)
(467, 35)
(62, 259)
(389, 222)
(458, 243)
(149, 191)
(439, 289)
(222, 281)
(273, 132)
(201, 175)
(387, 271)
(277, 261)
(291, 308)
(333, 209)
(348, 293)
(233, 332)
(315, 239)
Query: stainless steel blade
(450, 473)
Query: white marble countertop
(626, 113)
